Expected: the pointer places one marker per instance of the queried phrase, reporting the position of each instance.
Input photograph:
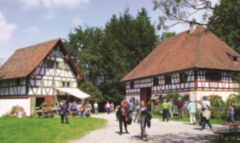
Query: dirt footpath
(160, 132)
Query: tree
(166, 35)
(225, 22)
(183, 11)
(106, 55)
(84, 46)
(127, 41)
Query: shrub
(234, 99)
(173, 95)
(218, 107)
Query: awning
(74, 92)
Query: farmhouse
(36, 74)
(194, 63)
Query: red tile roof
(25, 60)
(199, 49)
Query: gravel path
(160, 132)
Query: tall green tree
(127, 41)
(85, 45)
(106, 55)
(225, 22)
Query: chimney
(192, 27)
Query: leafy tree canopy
(105, 55)
(225, 22)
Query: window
(233, 58)
(50, 63)
(155, 81)
(131, 84)
(213, 76)
(57, 65)
(183, 77)
(63, 84)
(235, 76)
(168, 79)
(68, 84)
(17, 82)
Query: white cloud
(6, 28)
(54, 3)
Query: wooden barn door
(145, 95)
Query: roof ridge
(43, 42)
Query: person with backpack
(122, 117)
(143, 117)
(206, 114)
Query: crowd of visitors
(125, 115)
(126, 112)
(81, 109)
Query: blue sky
(27, 22)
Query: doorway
(145, 95)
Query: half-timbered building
(194, 63)
(33, 74)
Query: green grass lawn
(186, 119)
(48, 130)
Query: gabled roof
(25, 60)
(199, 49)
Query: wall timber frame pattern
(51, 73)
(195, 81)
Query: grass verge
(186, 119)
(48, 130)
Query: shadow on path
(179, 138)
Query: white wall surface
(7, 104)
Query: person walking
(131, 108)
(122, 117)
(206, 114)
(107, 107)
(64, 111)
(88, 109)
(112, 106)
(230, 114)
(165, 107)
(95, 106)
(170, 108)
(180, 104)
(144, 118)
(192, 111)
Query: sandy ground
(160, 132)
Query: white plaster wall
(7, 104)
